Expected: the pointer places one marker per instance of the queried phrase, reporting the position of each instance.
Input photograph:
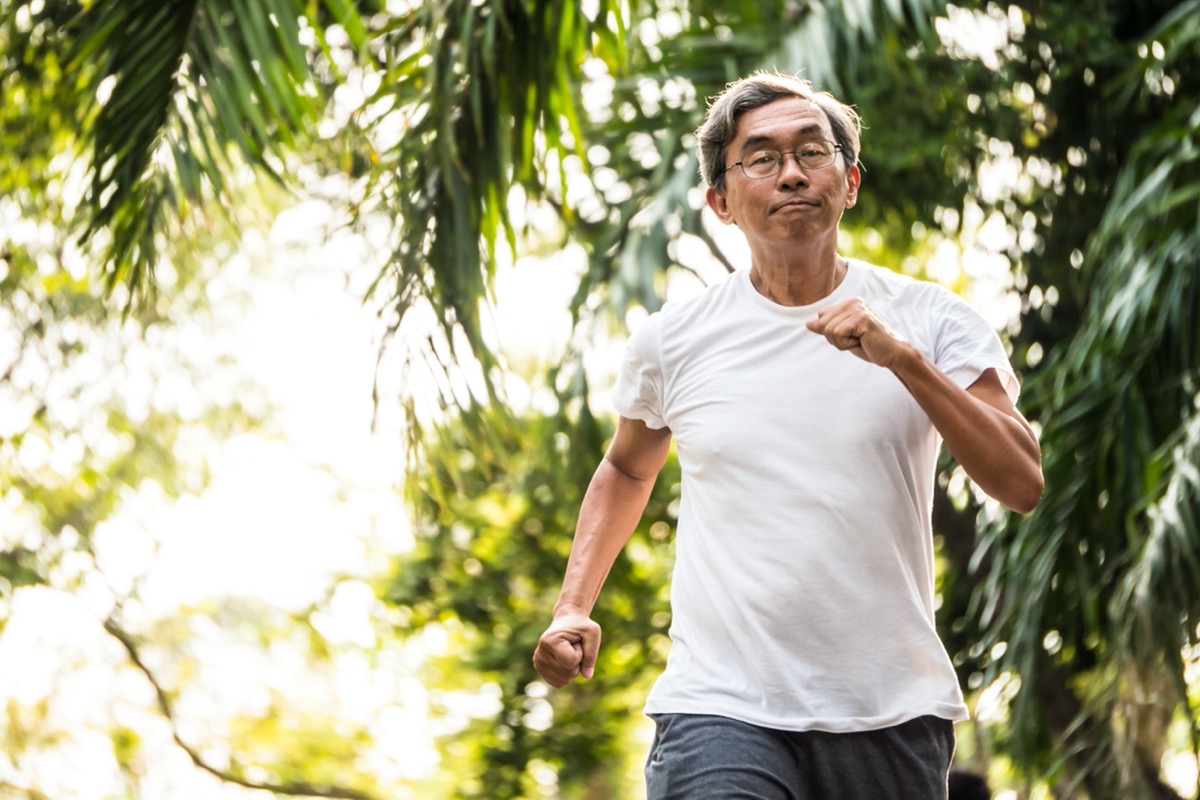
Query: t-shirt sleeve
(639, 389)
(966, 346)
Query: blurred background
(309, 310)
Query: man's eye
(812, 150)
(758, 159)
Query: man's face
(797, 204)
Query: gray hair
(759, 89)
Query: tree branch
(699, 230)
(291, 789)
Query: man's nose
(790, 171)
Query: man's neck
(798, 282)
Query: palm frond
(1108, 559)
(180, 88)
(491, 97)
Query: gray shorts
(698, 757)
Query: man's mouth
(796, 204)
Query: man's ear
(716, 201)
(853, 179)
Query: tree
(1096, 592)
(97, 410)
(476, 118)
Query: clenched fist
(851, 325)
(567, 648)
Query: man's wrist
(908, 358)
(570, 608)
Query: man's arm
(611, 509)
(983, 430)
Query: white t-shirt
(802, 592)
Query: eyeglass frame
(837, 148)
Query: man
(807, 397)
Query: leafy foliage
(489, 98)
(1107, 562)
(490, 558)
(129, 123)
(171, 99)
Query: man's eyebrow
(754, 141)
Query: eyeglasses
(817, 154)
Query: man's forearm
(998, 450)
(611, 509)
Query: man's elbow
(1025, 493)
(1026, 483)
